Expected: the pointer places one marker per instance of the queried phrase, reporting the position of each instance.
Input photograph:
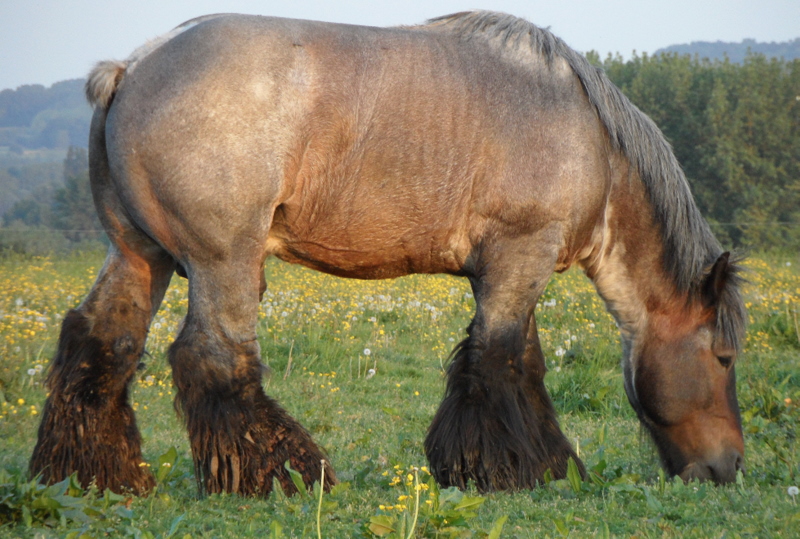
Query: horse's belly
(371, 259)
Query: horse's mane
(689, 246)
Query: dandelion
(793, 492)
(560, 351)
(367, 351)
(31, 372)
(370, 373)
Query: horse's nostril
(739, 464)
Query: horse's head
(680, 379)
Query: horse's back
(361, 151)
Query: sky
(45, 41)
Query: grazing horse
(476, 145)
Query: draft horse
(476, 145)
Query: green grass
(314, 333)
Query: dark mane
(689, 246)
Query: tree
(73, 209)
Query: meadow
(361, 365)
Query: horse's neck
(626, 260)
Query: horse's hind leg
(240, 438)
(88, 425)
(496, 425)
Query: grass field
(321, 336)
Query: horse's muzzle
(721, 469)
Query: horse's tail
(103, 82)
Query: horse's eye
(725, 361)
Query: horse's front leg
(240, 438)
(496, 424)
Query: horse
(475, 144)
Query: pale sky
(45, 41)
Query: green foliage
(30, 503)
(54, 219)
(442, 513)
(735, 129)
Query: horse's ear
(716, 279)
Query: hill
(736, 52)
(33, 117)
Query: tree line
(55, 218)
(33, 117)
(735, 128)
